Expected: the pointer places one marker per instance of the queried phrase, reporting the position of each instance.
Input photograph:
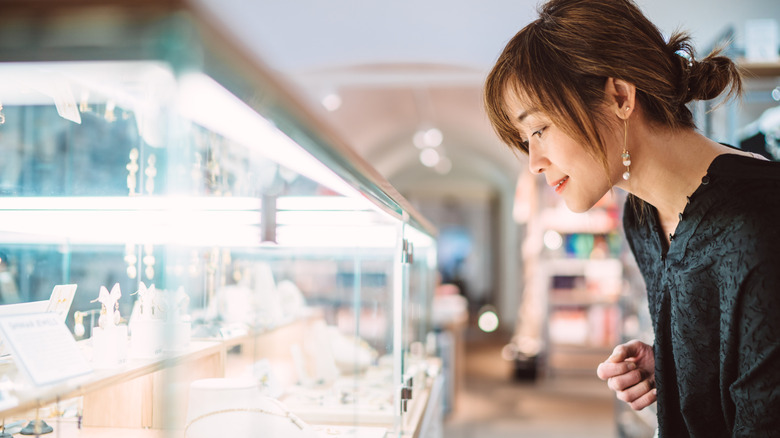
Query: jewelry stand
(3, 433)
(36, 427)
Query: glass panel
(219, 246)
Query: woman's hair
(559, 65)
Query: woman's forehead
(518, 99)
(518, 106)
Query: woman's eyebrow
(523, 115)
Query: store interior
(428, 252)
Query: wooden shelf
(209, 355)
(760, 69)
(580, 297)
(103, 378)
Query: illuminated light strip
(205, 102)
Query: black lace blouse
(714, 297)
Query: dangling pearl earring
(78, 327)
(626, 156)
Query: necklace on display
(288, 415)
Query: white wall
(707, 19)
(296, 36)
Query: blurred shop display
(570, 314)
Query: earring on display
(132, 169)
(131, 259)
(109, 114)
(102, 320)
(149, 260)
(78, 326)
(150, 172)
(117, 316)
(626, 156)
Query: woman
(596, 97)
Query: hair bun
(704, 79)
(708, 78)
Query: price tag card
(43, 347)
(61, 299)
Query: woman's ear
(620, 96)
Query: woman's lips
(561, 185)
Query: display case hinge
(406, 395)
(407, 252)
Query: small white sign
(61, 299)
(43, 347)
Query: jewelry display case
(236, 267)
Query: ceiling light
(331, 101)
(428, 138)
(429, 157)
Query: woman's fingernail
(631, 366)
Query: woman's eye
(524, 143)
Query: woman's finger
(644, 401)
(607, 370)
(637, 394)
(624, 381)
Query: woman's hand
(630, 372)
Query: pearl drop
(626, 175)
(626, 162)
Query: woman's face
(577, 176)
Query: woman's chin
(577, 206)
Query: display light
(488, 319)
(207, 103)
(553, 240)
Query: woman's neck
(666, 167)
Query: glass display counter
(186, 251)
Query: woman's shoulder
(746, 199)
(745, 178)
(746, 166)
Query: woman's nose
(537, 162)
